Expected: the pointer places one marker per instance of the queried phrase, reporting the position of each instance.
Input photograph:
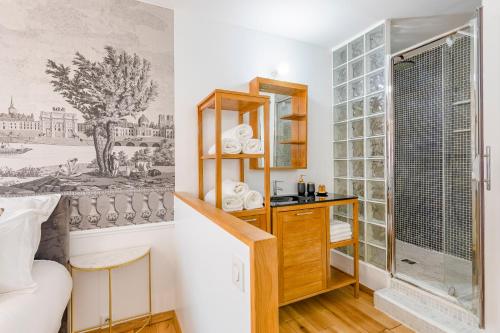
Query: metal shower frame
(477, 152)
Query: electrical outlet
(238, 272)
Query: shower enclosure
(435, 151)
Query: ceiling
(321, 22)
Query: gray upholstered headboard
(54, 243)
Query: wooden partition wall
(263, 262)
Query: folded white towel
(229, 146)
(230, 203)
(338, 238)
(252, 146)
(338, 226)
(242, 133)
(230, 187)
(340, 234)
(253, 200)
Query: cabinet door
(302, 252)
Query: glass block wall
(359, 106)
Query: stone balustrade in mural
(105, 209)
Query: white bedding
(40, 311)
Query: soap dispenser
(301, 187)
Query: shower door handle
(487, 157)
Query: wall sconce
(282, 69)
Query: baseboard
(367, 290)
(168, 316)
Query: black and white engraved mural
(86, 97)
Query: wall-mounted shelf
(294, 117)
(232, 156)
(224, 100)
(293, 142)
(298, 117)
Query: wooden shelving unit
(298, 141)
(242, 103)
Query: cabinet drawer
(258, 221)
(302, 225)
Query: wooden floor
(162, 327)
(337, 311)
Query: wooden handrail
(263, 262)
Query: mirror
(287, 121)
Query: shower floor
(436, 272)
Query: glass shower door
(435, 179)
(460, 152)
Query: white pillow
(20, 230)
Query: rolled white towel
(241, 132)
(229, 146)
(253, 200)
(252, 146)
(230, 187)
(230, 203)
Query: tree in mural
(104, 92)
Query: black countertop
(310, 200)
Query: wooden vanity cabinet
(302, 252)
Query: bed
(43, 311)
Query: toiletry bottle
(301, 187)
(311, 189)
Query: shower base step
(424, 312)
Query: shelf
(233, 101)
(346, 242)
(292, 142)
(467, 101)
(249, 212)
(339, 279)
(232, 156)
(294, 117)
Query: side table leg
(110, 303)
(71, 302)
(150, 286)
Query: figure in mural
(105, 92)
(115, 164)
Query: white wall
(206, 299)
(491, 93)
(207, 56)
(130, 284)
(210, 55)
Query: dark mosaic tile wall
(432, 168)
(418, 152)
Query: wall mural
(87, 105)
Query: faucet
(276, 188)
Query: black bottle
(301, 187)
(311, 189)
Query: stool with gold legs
(108, 261)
